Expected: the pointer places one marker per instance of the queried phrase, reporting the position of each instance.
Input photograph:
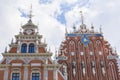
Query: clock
(85, 40)
(28, 31)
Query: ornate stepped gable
(28, 58)
(86, 55)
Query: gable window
(35, 76)
(24, 48)
(31, 48)
(15, 76)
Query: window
(24, 48)
(72, 53)
(15, 76)
(35, 76)
(31, 48)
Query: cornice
(26, 54)
(4, 65)
(52, 66)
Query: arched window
(99, 47)
(24, 48)
(72, 46)
(15, 76)
(31, 48)
(91, 48)
(112, 71)
(35, 76)
(64, 70)
(80, 48)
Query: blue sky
(52, 16)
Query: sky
(53, 16)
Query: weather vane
(30, 14)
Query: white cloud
(105, 13)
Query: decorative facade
(28, 58)
(86, 55)
(83, 55)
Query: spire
(37, 28)
(82, 26)
(92, 27)
(100, 29)
(44, 41)
(74, 28)
(115, 51)
(82, 17)
(66, 32)
(5, 49)
(12, 41)
(30, 14)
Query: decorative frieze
(35, 64)
(16, 64)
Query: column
(45, 74)
(6, 74)
(25, 73)
(55, 75)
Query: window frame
(24, 48)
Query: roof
(29, 25)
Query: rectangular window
(35, 76)
(15, 76)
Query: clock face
(85, 40)
(28, 31)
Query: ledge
(4, 65)
(26, 54)
(51, 66)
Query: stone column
(45, 74)
(25, 73)
(6, 74)
(55, 75)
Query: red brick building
(86, 55)
(28, 58)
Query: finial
(20, 31)
(55, 50)
(115, 51)
(30, 14)
(37, 28)
(66, 32)
(49, 49)
(44, 40)
(92, 27)
(81, 17)
(74, 28)
(5, 49)
(100, 29)
(12, 41)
